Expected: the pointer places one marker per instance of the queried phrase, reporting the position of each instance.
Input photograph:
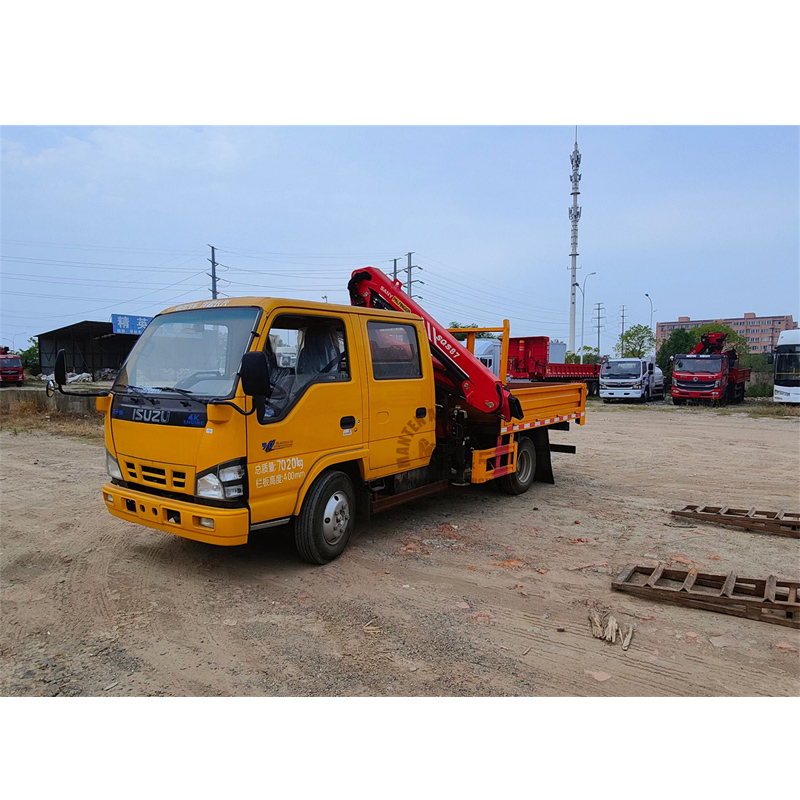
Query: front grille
(692, 386)
(164, 477)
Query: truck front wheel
(520, 481)
(326, 519)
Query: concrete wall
(66, 404)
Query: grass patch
(27, 417)
(762, 408)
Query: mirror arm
(58, 387)
(233, 405)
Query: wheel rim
(335, 518)
(524, 466)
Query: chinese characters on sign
(287, 469)
(125, 323)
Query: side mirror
(50, 388)
(254, 373)
(650, 368)
(770, 358)
(61, 368)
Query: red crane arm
(455, 368)
(710, 343)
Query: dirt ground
(470, 593)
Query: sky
(112, 219)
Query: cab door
(315, 407)
(400, 396)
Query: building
(89, 346)
(761, 332)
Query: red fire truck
(708, 373)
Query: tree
(679, 341)
(462, 336)
(636, 342)
(30, 356)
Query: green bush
(759, 390)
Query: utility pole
(409, 281)
(574, 215)
(598, 307)
(213, 261)
(394, 273)
(621, 338)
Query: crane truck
(708, 373)
(211, 437)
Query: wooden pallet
(784, 522)
(769, 600)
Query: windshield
(621, 369)
(11, 362)
(199, 351)
(691, 364)
(787, 368)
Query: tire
(326, 520)
(520, 481)
(678, 401)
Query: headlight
(209, 486)
(637, 385)
(717, 384)
(112, 467)
(225, 481)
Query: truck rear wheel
(520, 481)
(326, 520)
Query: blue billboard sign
(126, 323)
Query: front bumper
(618, 394)
(231, 525)
(713, 394)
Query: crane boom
(456, 369)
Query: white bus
(787, 368)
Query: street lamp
(583, 307)
(651, 317)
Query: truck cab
(637, 379)
(11, 369)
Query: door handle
(347, 422)
(422, 413)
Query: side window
(395, 351)
(303, 350)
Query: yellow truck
(234, 416)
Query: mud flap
(544, 467)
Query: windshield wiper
(184, 392)
(136, 389)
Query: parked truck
(529, 359)
(10, 368)
(709, 374)
(209, 436)
(632, 379)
